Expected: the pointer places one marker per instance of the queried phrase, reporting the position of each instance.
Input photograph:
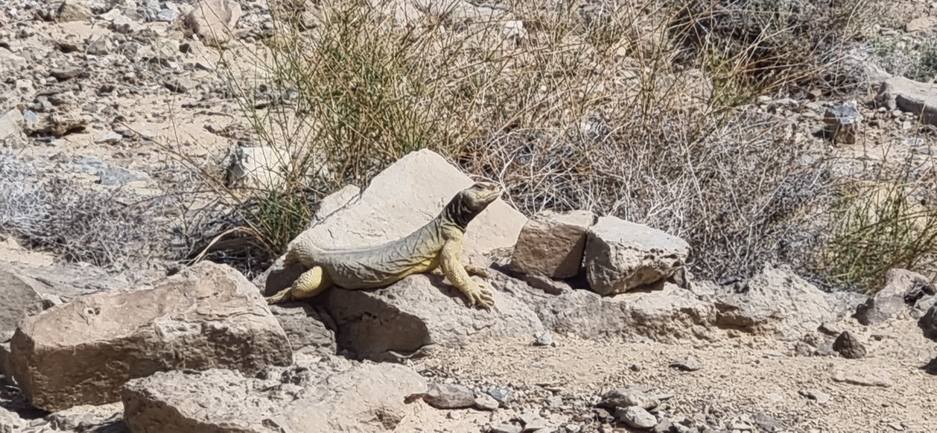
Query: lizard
(435, 246)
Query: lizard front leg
(309, 284)
(450, 262)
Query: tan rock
(364, 398)
(422, 310)
(19, 299)
(921, 23)
(889, 302)
(11, 123)
(552, 244)
(214, 20)
(83, 351)
(71, 10)
(909, 96)
(622, 255)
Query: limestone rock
(889, 302)
(422, 310)
(11, 123)
(775, 302)
(910, 96)
(403, 198)
(71, 10)
(636, 417)
(214, 20)
(622, 255)
(667, 315)
(552, 244)
(82, 352)
(19, 299)
(364, 398)
(449, 396)
(306, 328)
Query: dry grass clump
(101, 227)
(634, 109)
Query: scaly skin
(433, 247)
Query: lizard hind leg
(309, 284)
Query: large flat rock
(19, 298)
(422, 310)
(363, 398)
(910, 96)
(82, 352)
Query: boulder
(910, 96)
(775, 302)
(422, 310)
(403, 198)
(621, 255)
(11, 123)
(552, 244)
(306, 328)
(82, 352)
(10, 422)
(19, 298)
(667, 315)
(889, 302)
(849, 346)
(214, 20)
(365, 398)
(928, 323)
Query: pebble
(689, 363)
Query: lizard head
(470, 202)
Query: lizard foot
(474, 270)
(480, 296)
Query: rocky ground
(99, 98)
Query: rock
(928, 323)
(125, 25)
(636, 417)
(504, 428)
(10, 422)
(181, 84)
(486, 402)
(689, 363)
(552, 244)
(443, 396)
(82, 352)
(547, 284)
(622, 255)
(403, 198)
(333, 202)
(85, 418)
(261, 167)
(99, 45)
(816, 395)
(167, 15)
(72, 10)
(421, 310)
(363, 398)
(775, 302)
(501, 395)
(306, 328)
(910, 96)
(668, 315)
(214, 20)
(627, 397)
(889, 301)
(58, 124)
(110, 175)
(11, 123)
(19, 299)
(848, 345)
(921, 23)
(842, 122)
(545, 339)
(861, 380)
(66, 72)
(110, 137)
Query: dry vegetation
(635, 109)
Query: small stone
(767, 423)
(686, 364)
(664, 426)
(11, 123)
(71, 10)
(849, 346)
(842, 122)
(816, 395)
(443, 396)
(109, 138)
(181, 85)
(504, 428)
(486, 402)
(545, 339)
(167, 15)
(99, 45)
(627, 397)
(829, 328)
(502, 395)
(636, 417)
(66, 72)
(125, 25)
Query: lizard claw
(481, 297)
